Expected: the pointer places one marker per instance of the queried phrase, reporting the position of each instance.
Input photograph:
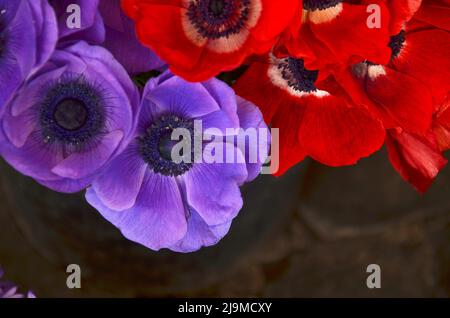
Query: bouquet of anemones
(160, 109)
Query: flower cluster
(73, 119)
(339, 79)
(341, 88)
(9, 290)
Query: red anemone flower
(411, 95)
(316, 118)
(331, 34)
(201, 38)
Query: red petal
(350, 40)
(254, 85)
(275, 18)
(132, 8)
(441, 126)
(435, 12)
(161, 29)
(291, 152)
(337, 134)
(403, 98)
(290, 34)
(416, 159)
(211, 64)
(426, 58)
(401, 12)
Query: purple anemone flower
(28, 35)
(70, 118)
(104, 23)
(180, 205)
(9, 290)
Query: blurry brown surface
(311, 233)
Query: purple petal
(34, 159)
(18, 58)
(11, 293)
(157, 220)
(213, 189)
(224, 96)
(27, 124)
(24, 101)
(122, 42)
(79, 165)
(176, 96)
(199, 234)
(220, 121)
(104, 63)
(251, 117)
(66, 185)
(47, 29)
(119, 185)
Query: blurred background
(311, 233)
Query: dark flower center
(397, 42)
(217, 7)
(313, 5)
(72, 113)
(297, 76)
(215, 19)
(156, 145)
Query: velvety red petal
(435, 12)
(401, 12)
(337, 134)
(403, 98)
(210, 63)
(426, 58)
(415, 158)
(353, 80)
(290, 34)
(255, 86)
(441, 125)
(275, 18)
(287, 120)
(162, 31)
(133, 10)
(350, 40)
(315, 53)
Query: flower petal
(337, 134)
(412, 110)
(291, 151)
(79, 165)
(415, 158)
(425, 57)
(157, 220)
(118, 186)
(177, 96)
(199, 234)
(213, 189)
